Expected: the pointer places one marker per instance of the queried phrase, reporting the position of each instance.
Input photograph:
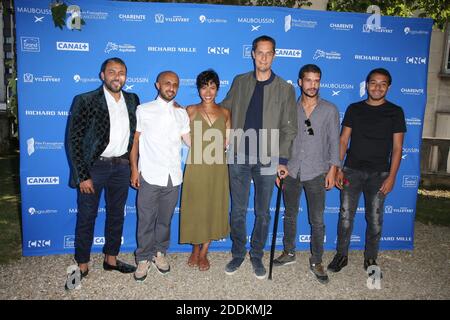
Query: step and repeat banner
(55, 64)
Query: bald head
(163, 74)
(167, 84)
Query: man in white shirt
(99, 138)
(157, 145)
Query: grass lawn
(10, 219)
(433, 207)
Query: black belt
(123, 159)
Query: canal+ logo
(72, 46)
(42, 180)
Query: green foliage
(276, 3)
(10, 218)
(279, 3)
(12, 86)
(59, 10)
(438, 10)
(432, 207)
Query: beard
(376, 98)
(110, 87)
(166, 97)
(316, 92)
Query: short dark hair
(382, 71)
(116, 60)
(263, 38)
(309, 68)
(205, 77)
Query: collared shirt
(119, 132)
(313, 155)
(161, 126)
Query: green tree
(438, 10)
(276, 3)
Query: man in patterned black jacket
(99, 138)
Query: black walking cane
(275, 226)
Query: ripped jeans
(355, 183)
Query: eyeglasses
(308, 127)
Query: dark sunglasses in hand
(309, 129)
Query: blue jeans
(315, 196)
(115, 179)
(240, 180)
(369, 184)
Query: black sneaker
(338, 263)
(258, 268)
(233, 266)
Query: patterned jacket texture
(88, 131)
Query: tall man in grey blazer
(99, 138)
(263, 109)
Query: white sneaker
(141, 272)
(161, 264)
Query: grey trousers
(315, 197)
(155, 210)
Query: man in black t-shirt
(375, 128)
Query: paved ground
(420, 274)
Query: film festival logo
(289, 23)
(33, 145)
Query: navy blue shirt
(253, 118)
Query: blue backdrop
(54, 65)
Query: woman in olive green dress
(205, 193)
